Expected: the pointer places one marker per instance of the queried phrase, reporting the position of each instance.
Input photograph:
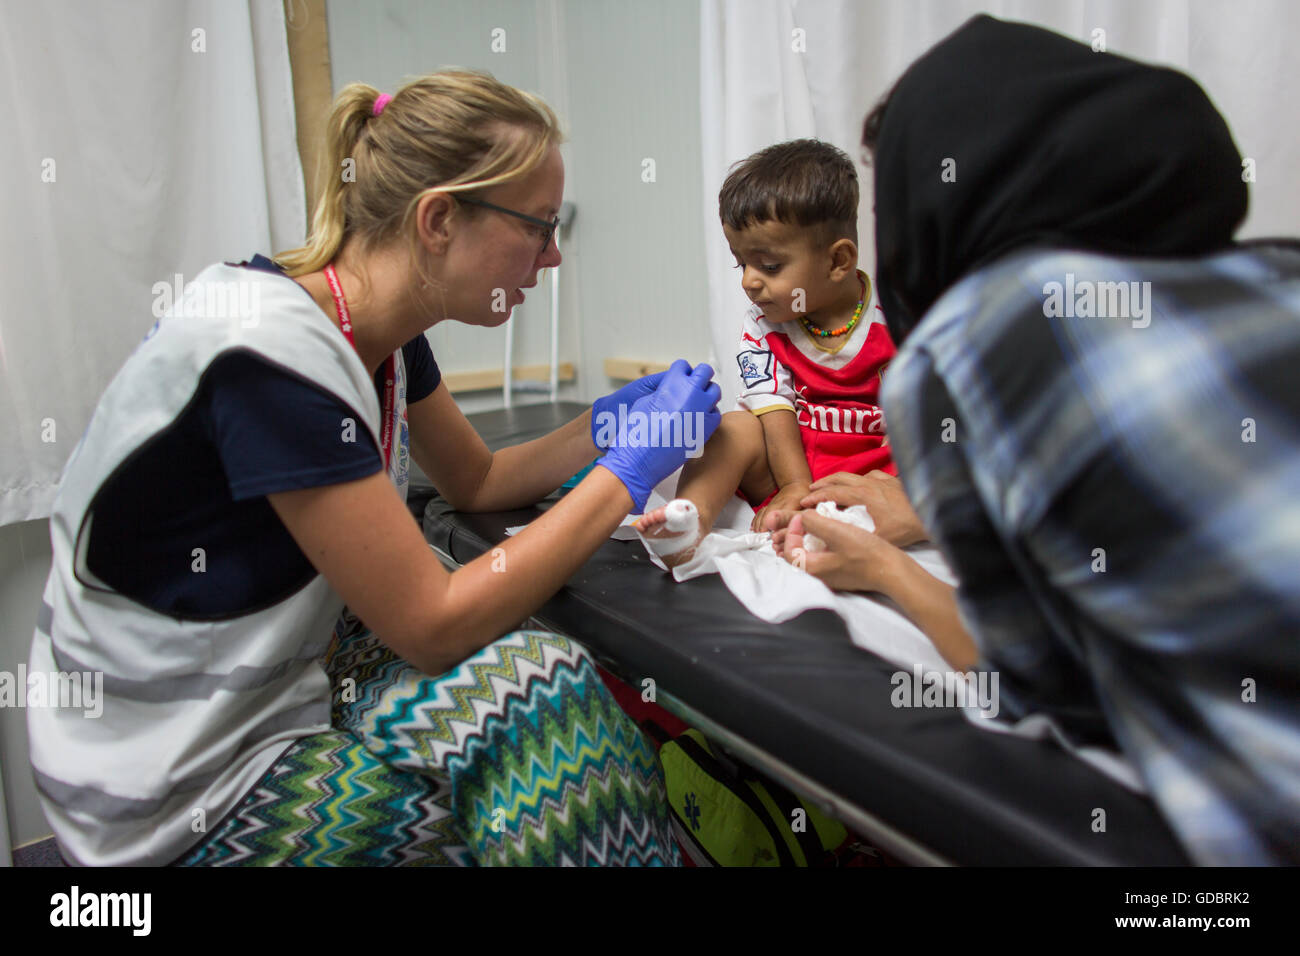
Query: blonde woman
(243, 479)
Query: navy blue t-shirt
(251, 429)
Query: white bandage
(683, 519)
(855, 515)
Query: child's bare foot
(671, 532)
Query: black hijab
(1053, 145)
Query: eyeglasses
(550, 225)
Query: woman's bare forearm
(498, 590)
(931, 605)
(524, 474)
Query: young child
(813, 348)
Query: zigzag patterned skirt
(519, 756)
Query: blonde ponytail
(352, 108)
(455, 130)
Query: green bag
(726, 816)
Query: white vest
(193, 712)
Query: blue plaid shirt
(1108, 453)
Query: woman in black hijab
(1127, 549)
(1051, 144)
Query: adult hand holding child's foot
(881, 494)
(840, 554)
(776, 514)
(854, 559)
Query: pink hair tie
(380, 102)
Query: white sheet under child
(776, 591)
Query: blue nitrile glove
(640, 461)
(608, 406)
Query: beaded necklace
(844, 329)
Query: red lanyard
(390, 364)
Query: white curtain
(773, 70)
(145, 139)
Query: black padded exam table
(801, 703)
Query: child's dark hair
(805, 182)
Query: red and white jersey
(835, 396)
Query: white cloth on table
(775, 591)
